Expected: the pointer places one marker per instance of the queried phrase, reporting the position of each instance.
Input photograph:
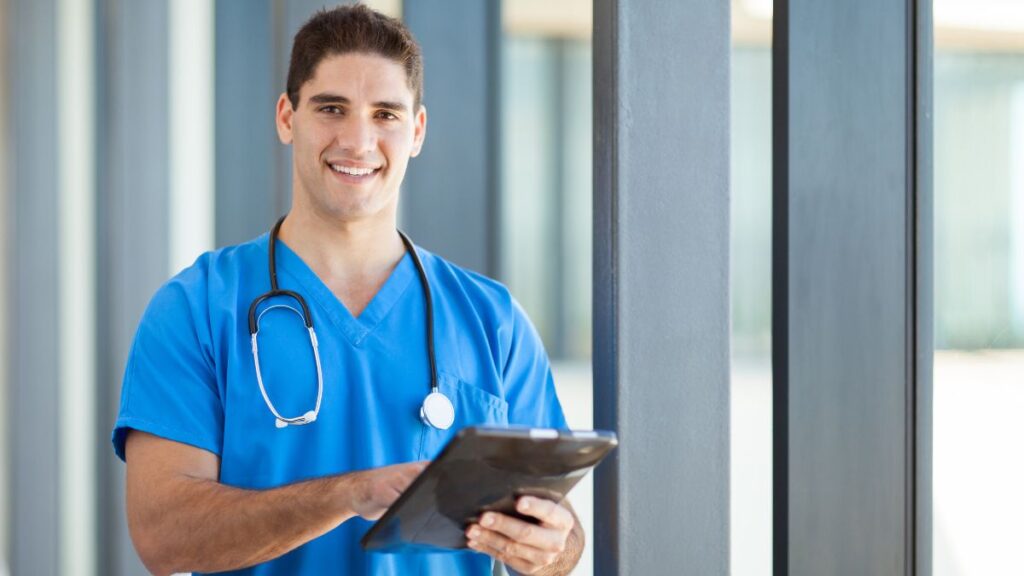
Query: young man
(262, 435)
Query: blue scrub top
(190, 378)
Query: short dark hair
(353, 28)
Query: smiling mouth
(352, 171)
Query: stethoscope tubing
(308, 416)
(446, 415)
(429, 306)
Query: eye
(330, 109)
(385, 115)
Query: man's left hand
(526, 548)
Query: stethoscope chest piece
(438, 411)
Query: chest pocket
(473, 407)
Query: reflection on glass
(546, 204)
(751, 398)
(979, 287)
(751, 279)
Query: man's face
(352, 136)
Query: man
(221, 474)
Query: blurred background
(136, 134)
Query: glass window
(750, 285)
(546, 182)
(979, 287)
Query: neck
(345, 252)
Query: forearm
(205, 526)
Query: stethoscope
(437, 410)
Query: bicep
(155, 465)
(159, 474)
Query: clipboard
(480, 470)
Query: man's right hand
(374, 490)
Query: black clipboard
(485, 469)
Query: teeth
(352, 171)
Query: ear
(420, 127)
(284, 119)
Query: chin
(348, 205)
(351, 212)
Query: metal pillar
(450, 196)
(661, 285)
(132, 220)
(31, 229)
(246, 90)
(851, 288)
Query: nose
(357, 136)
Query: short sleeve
(170, 386)
(527, 381)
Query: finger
(552, 514)
(485, 549)
(508, 550)
(414, 468)
(519, 566)
(541, 537)
(401, 481)
(478, 546)
(411, 471)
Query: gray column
(6, 240)
(248, 178)
(132, 219)
(450, 197)
(31, 228)
(661, 285)
(922, 230)
(849, 329)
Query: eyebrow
(327, 98)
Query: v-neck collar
(312, 287)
